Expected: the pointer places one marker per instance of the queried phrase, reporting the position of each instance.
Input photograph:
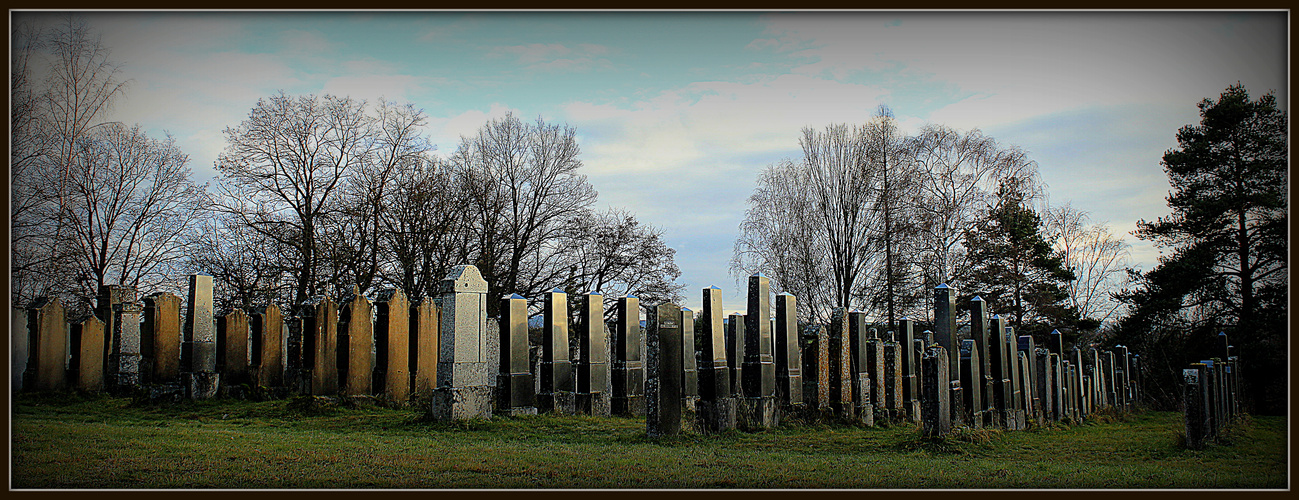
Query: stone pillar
(268, 335)
(558, 385)
(297, 351)
(47, 326)
(160, 338)
(841, 374)
(356, 347)
(972, 378)
(1042, 384)
(716, 407)
(945, 325)
(88, 338)
(232, 351)
(593, 391)
(816, 367)
(689, 365)
(1026, 388)
(628, 367)
(985, 342)
(469, 351)
(392, 345)
(198, 347)
(1194, 395)
(19, 341)
(934, 410)
(758, 408)
(875, 377)
(663, 383)
(789, 362)
(1079, 399)
(917, 352)
(1028, 376)
(514, 385)
(1125, 383)
(893, 379)
(321, 330)
(108, 297)
(1009, 345)
(910, 369)
(126, 348)
(425, 330)
(1001, 407)
(1059, 405)
(862, 360)
(735, 353)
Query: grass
(68, 441)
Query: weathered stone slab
(425, 328)
(816, 366)
(1058, 404)
(322, 333)
(198, 348)
(514, 386)
(1195, 396)
(558, 385)
(759, 365)
(945, 325)
(628, 366)
(917, 352)
(126, 348)
(47, 327)
(689, 365)
(232, 339)
(910, 368)
(1026, 389)
(1042, 384)
(971, 376)
(593, 381)
(1000, 404)
(789, 373)
(893, 380)
(88, 338)
(106, 300)
(841, 375)
(356, 348)
(735, 354)
(468, 357)
(160, 338)
(297, 350)
(934, 410)
(268, 331)
(875, 376)
(981, 331)
(716, 409)
(19, 347)
(663, 384)
(392, 345)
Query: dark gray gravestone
(935, 415)
(1080, 397)
(816, 369)
(1032, 398)
(514, 386)
(1000, 406)
(875, 372)
(758, 407)
(893, 379)
(1124, 384)
(1194, 395)
(1058, 404)
(1042, 384)
(716, 407)
(126, 352)
(945, 325)
(558, 385)
(1009, 343)
(628, 366)
(689, 364)
(917, 352)
(663, 383)
(735, 352)
(841, 376)
(971, 377)
(985, 343)
(593, 391)
(1026, 388)
(910, 369)
(19, 346)
(862, 368)
(789, 374)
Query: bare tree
(423, 231)
(249, 269)
(1097, 258)
(613, 253)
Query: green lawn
(79, 442)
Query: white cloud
(556, 57)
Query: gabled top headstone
(463, 279)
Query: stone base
(913, 411)
(866, 414)
(559, 403)
(170, 393)
(201, 385)
(715, 416)
(754, 414)
(690, 414)
(462, 403)
(630, 406)
(596, 405)
(514, 412)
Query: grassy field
(82, 442)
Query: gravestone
(392, 347)
(468, 350)
(1124, 384)
(356, 348)
(841, 375)
(893, 379)
(232, 344)
(816, 366)
(593, 389)
(757, 410)
(689, 365)
(735, 353)
(1042, 384)
(122, 338)
(321, 330)
(945, 325)
(971, 377)
(663, 383)
(1075, 354)
(983, 334)
(558, 385)
(198, 345)
(862, 364)
(917, 352)
(1026, 389)
(1001, 406)
(297, 351)
(425, 332)
(1058, 403)
(1033, 402)
(910, 369)
(1009, 345)
(89, 342)
(935, 414)
(1194, 396)
(47, 366)
(874, 378)
(160, 338)
(18, 347)
(268, 330)
(716, 408)
(514, 385)
(106, 300)
(628, 366)
(789, 374)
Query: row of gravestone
(749, 371)
(1211, 394)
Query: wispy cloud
(556, 57)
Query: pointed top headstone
(1222, 334)
(996, 316)
(556, 290)
(1057, 332)
(942, 285)
(630, 296)
(759, 275)
(714, 287)
(686, 309)
(515, 296)
(976, 299)
(597, 293)
(781, 294)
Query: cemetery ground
(74, 441)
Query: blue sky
(677, 112)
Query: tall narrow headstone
(917, 352)
(1042, 385)
(816, 367)
(1194, 395)
(425, 332)
(49, 344)
(983, 334)
(18, 347)
(558, 385)
(268, 329)
(663, 384)
(628, 366)
(297, 349)
(123, 339)
(198, 346)
(874, 378)
(469, 348)
(910, 369)
(160, 338)
(106, 301)
(862, 363)
(945, 325)
(232, 342)
(1057, 373)
(735, 353)
(1026, 388)
(841, 374)
(514, 386)
(356, 356)
(322, 328)
(90, 346)
(593, 391)
(1124, 383)
(789, 374)
(1009, 345)
(716, 407)
(689, 365)
(1075, 355)
(893, 379)
(935, 414)
(758, 408)
(392, 345)
(1001, 406)
(971, 377)
(1033, 406)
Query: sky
(677, 112)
